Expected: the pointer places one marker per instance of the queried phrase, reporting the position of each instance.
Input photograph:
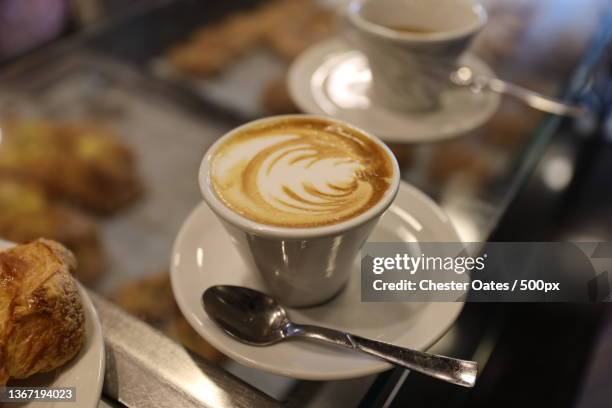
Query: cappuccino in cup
(299, 195)
(300, 173)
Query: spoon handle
(460, 372)
(465, 76)
(534, 99)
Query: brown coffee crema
(300, 172)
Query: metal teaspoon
(255, 318)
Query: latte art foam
(300, 173)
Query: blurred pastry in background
(210, 48)
(77, 162)
(42, 322)
(193, 61)
(26, 214)
(275, 98)
(236, 33)
(299, 26)
(287, 27)
(150, 298)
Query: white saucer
(85, 372)
(203, 256)
(333, 79)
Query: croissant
(41, 314)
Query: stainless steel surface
(464, 76)
(257, 319)
(146, 369)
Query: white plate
(203, 256)
(333, 79)
(85, 372)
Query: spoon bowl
(246, 314)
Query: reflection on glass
(557, 172)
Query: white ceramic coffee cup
(299, 266)
(409, 70)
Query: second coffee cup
(412, 46)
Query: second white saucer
(333, 79)
(204, 256)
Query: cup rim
(246, 224)
(440, 36)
